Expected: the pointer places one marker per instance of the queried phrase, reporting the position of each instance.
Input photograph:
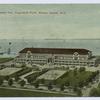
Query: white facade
(58, 59)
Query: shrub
(62, 87)
(16, 78)
(80, 84)
(81, 69)
(75, 89)
(7, 77)
(74, 72)
(50, 86)
(67, 83)
(22, 83)
(10, 82)
(29, 79)
(36, 84)
(79, 93)
(64, 75)
(42, 80)
(1, 81)
(94, 92)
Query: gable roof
(55, 51)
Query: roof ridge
(55, 50)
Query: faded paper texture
(49, 50)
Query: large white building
(56, 56)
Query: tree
(93, 74)
(7, 77)
(90, 78)
(42, 80)
(94, 92)
(62, 87)
(80, 84)
(36, 84)
(79, 93)
(16, 78)
(85, 82)
(82, 69)
(34, 78)
(75, 89)
(67, 83)
(29, 79)
(10, 82)
(97, 72)
(1, 81)
(22, 83)
(74, 72)
(50, 86)
(24, 65)
(54, 82)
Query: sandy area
(8, 71)
(52, 74)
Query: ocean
(17, 45)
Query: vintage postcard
(49, 50)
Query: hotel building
(57, 56)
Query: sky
(78, 21)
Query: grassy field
(74, 80)
(5, 59)
(22, 93)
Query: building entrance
(49, 60)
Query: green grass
(5, 59)
(74, 80)
(2, 77)
(22, 93)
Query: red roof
(55, 51)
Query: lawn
(22, 93)
(74, 80)
(5, 59)
(2, 77)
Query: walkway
(23, 76)
(28, 87)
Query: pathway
(23, 76)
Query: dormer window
(29, 54)
(75, 56)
